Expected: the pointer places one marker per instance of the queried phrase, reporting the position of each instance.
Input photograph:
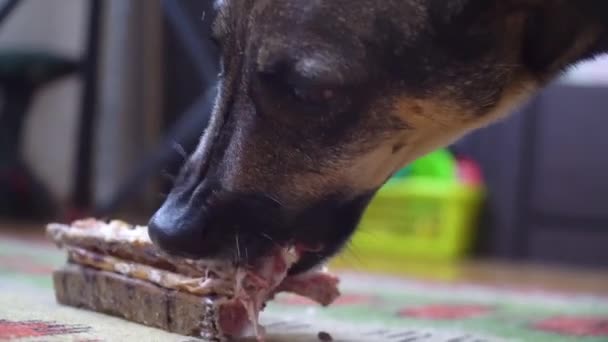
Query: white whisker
(238, 247)
(179, 149)
(165, 174)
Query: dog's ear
(555, 33)
(559, 32)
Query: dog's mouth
(321, 231)
(243, 231)
(310, 258)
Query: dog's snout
(216, 225)
(176, 232)
(180, 226)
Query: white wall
(129, 98)
(592, 72)
(130, 92)
(58, 26)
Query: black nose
(216, 225)
(176, 235)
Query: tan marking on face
(442, 122)
(365, 173)
(517, 94)
(434, 124)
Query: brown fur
(322, 100)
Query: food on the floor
(114, 268)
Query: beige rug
(372, 309)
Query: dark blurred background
(100, 97)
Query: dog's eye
(287, 87)
(317, 95)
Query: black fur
(321, 101)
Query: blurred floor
(519, 305)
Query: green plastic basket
(419, 217)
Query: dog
(321, 101)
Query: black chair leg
(7, 9)
(82, 188)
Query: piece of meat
(255, 287)
(320, 286)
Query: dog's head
(320, 101)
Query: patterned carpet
(372, 309)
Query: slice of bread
(114, 268)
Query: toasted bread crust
(139, 301)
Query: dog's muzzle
(212, 223)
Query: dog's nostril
(218, 226)
(180, 237)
